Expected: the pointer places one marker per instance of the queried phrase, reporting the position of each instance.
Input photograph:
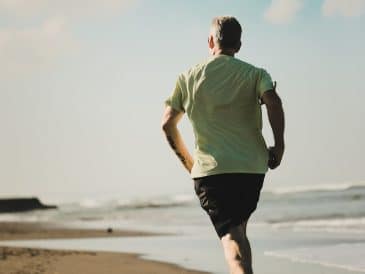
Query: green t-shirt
(221, 97)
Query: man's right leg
(237, 250)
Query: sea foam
(342, 225)
(344, 256)
(315, 187)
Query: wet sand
(42, 261)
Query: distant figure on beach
(222, 97)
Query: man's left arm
(170, 119)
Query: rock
(22, 204)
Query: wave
(316, 188)
(343, 256)
(154, 202)
(161, 202)
(98, 209)
(28, 216)
(348, 225)
(90, 203)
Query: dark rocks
(22, 204)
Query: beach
(316, 230)
(141, 253)
(18, 260)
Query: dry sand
(41, 261)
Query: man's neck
(228, 52)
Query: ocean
(320, 228)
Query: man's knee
(235, 239)
(232, 242)
(231, 250)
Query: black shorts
(230, 198)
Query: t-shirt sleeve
(175, 100)
(264, 82)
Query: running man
(222, 97)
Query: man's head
(225, 35)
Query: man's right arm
(275, 114)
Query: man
(222, 97)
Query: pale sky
(82, 86)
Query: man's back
(221, 99)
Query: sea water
(320, 228)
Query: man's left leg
(237, 250)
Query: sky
(82, 86)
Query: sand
(28, 231)
(42, 261)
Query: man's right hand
(275, 156)
(275, 113)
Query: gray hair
(227, 32)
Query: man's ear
(211, 42)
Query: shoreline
(46, 230)
(17, 260)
